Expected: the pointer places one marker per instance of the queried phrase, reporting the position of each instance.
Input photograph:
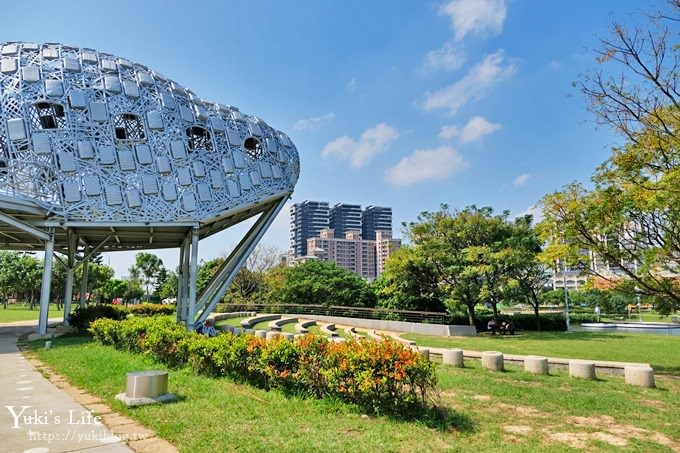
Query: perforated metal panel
(80, 157)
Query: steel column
(46, 284)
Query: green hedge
(83, 317)
(380, 377)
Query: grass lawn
(235, 322)
(19, 312)
(660, 351)
(510, 411)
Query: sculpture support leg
(46, 285)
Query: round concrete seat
(146, 384)
(493, 360)
(642, 376)
(288, 336)
(425, 352)
(272, 335)
(453, 357)
(237, 330)
(259, 333)
(535, 364)
(581, 369)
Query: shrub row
(379, 377)
(81, 318)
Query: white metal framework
(98, 153)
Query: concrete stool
(425, 352)
(272, 335)
(261, 333)
(288, 336)
(248, 331)
(642, 376)
(146, 387)
(581, 369)
(237, 330)
(453, 357)
(226, 328)
(535, 364)
(493, 360)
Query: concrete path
(38, 417)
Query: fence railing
(334, 310)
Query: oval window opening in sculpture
(199, 138)
(253, 147)
(47, 115)
(128, 126)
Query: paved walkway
(38, 417)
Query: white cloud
(426, 164)
(373, 141)
(535, 211)
(475, 85)
(449, 131)
(521, 180)
(311, 124)
(475, 16)
(352, 84)
(475, 129)
(448, 58)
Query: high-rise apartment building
(307, 219)
(366, 258)
(375, 218)
(356, 240)
(345, 217)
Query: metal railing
(423, 317)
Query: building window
(47, 115)
(199, 138)
(128, 126)
(253, 147)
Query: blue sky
(398, 103)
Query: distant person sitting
(491, 326)
(208, 329)
(508, 327)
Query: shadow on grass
(442, 419)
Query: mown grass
(510, 411)
(20, 312)
(660, 351)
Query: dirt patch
(574, 440)
(607, 430)
(524, 430)
(522, 411)
(481, 397)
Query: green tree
(147, 269)
(631, 217)
(408, 282)
(469, 250)
(321, 283)
(169, 288)
(528, 275)
(112, 289)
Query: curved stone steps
(329, 330)
(248, 323)
(277, 324)
(303, 326)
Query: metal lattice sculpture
(93, 137)
(98, 153)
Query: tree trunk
(471, 314)
(538, 318)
